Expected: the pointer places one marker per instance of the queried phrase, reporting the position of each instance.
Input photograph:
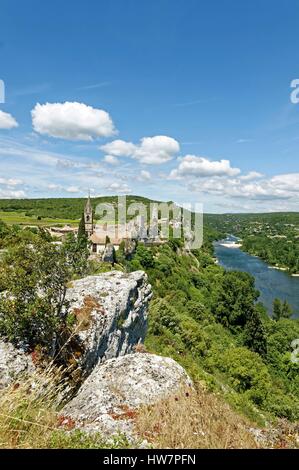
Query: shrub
(246, 373)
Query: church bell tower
(88, 217)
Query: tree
(145, 256)
(236, 297)
(247, 373)
(286, 311)
(76, 254)
(255, 334)
(277, 309)
(81, 230)
(33, 310)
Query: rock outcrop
(107, 399)
(14, 364)
(111, 309)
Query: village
(104, 238)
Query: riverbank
(279, 268)
(232, 245)
(235, 242)
(271, 281)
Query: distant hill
(60, 208)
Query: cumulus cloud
(288, 181)
(11, 194)
(257, 191)
(156, 150)
(7, 121)
(252, 175)
(71, 121)
(111, 160)
(144, 176)
(151, 150)
(219, 178)
(119, 148)
(11, 181)
(118, 188)
(194, 166)
(263, 190)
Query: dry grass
(140, 348)
(193, 419)
(28, 413)
(30, 418)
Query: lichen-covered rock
(14, 364)
(111, 309)
(107, 399)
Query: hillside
(55, 210)
(206, 319)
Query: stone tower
(88, 217)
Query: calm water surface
(270, 282)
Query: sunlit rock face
(107, 399)
(14, 364)
(111, 311)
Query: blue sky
(196, 95)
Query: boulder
(107, 400)
(14, 364)
(111, 309)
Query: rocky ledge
(115, 389)
(111, 310)
(14, 364)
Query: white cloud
(118, 188)
(144, 176)
(72, 121)
(252, 175)
(10, 194)
(111, 160)
(156, 150)
(288, 181)
(262, 190)
(194, 166)
(11, 181)
(257, 191)
(151, 150)
(243, 141)
(73, 189)
(119, 148)
(53, 187)
(7, 121)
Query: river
(270, 282)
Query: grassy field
(21, 219)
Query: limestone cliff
(111, 309)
